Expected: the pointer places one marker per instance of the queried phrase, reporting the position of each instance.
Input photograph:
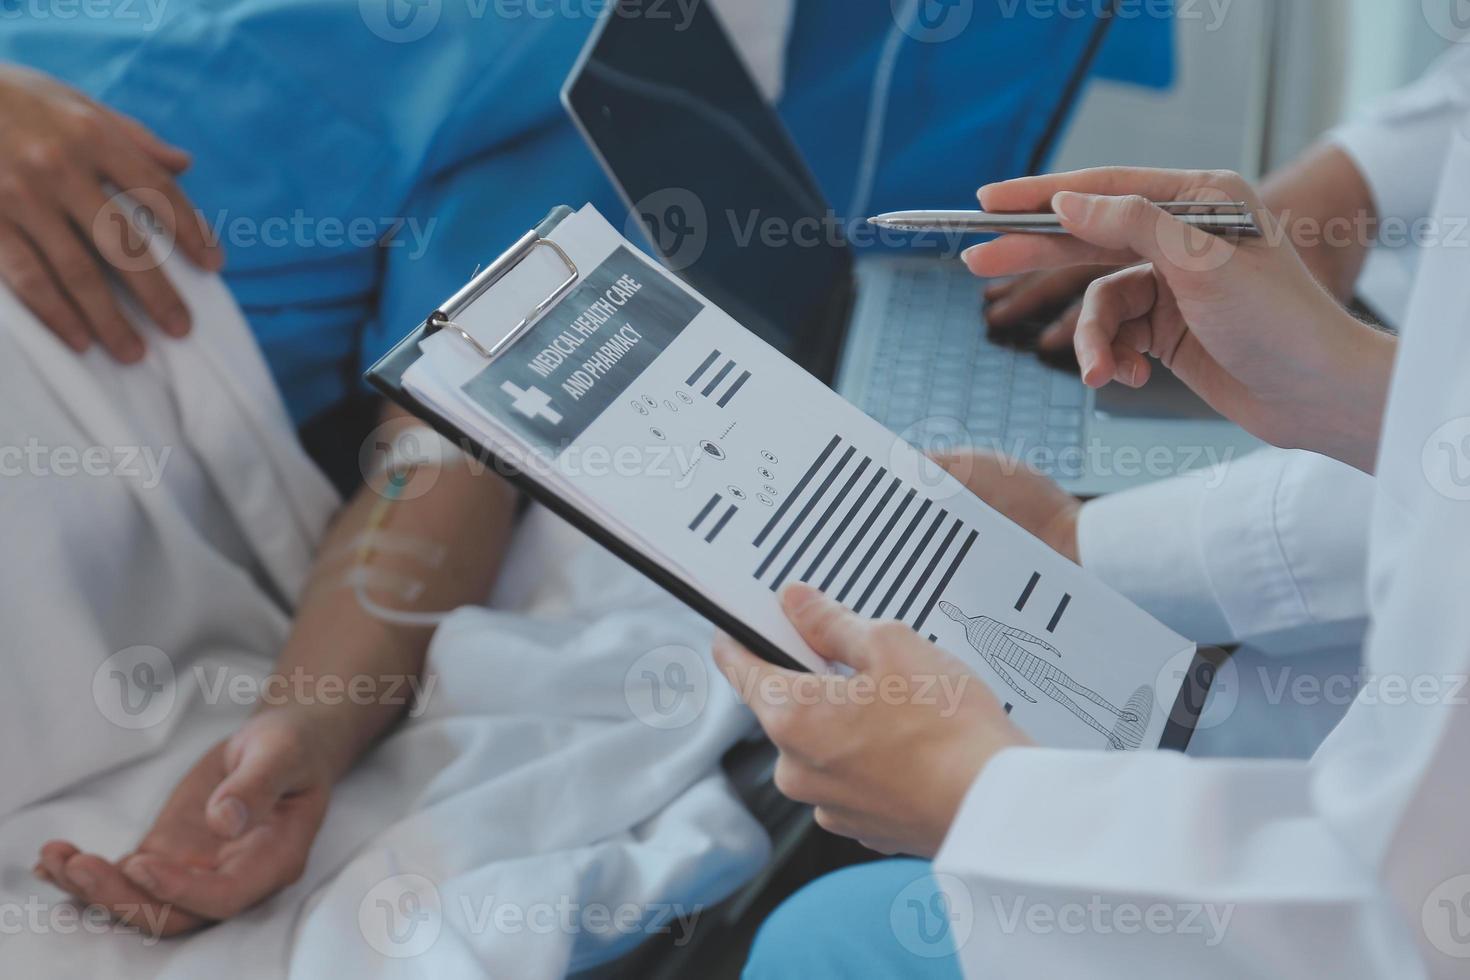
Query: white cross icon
(533, 404)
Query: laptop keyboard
(935, 377)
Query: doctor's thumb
(835, 632)
(261, 766)
(1135, 224)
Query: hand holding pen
(1240, 320)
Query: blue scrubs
(963, 110)
(888, 919)
(321, 126)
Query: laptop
(714, 182)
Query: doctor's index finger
(787, 703)
(1113, 331)
(1035, 194)
(748, 674)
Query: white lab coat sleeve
(1353, 864)
(1269, 543)
(1144, 865)
(1064, 863)
(1399, 143)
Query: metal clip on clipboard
(444, 317)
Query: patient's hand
(237, 829)
(1051, 301)
(60, 230)
(1026, 497)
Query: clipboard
(387, 375)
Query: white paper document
(694, 441)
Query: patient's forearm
(450, 543)
(1329, 213)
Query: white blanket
(557, 799)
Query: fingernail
(1071, 206)
(176, 324)
(1050, 337)
(230, 817)
(1089, 361)
(1130, 374)
(967, 253)
(131, 351)
(40, 873)
(798, 595)
(137, 872)
(83, 879)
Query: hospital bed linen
(509, 830)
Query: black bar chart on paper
(718, 378)
(860, 534)
(711, 521)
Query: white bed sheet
(539, 795)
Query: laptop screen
(712, 176)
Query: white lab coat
(1357, 862)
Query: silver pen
(1232, 218)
